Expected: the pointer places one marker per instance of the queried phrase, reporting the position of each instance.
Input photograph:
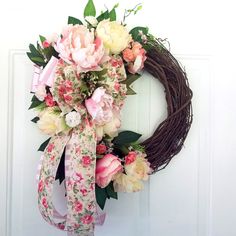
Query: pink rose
(106, 168)
(86, 161)
(84, 192)
(135, 56)
(88, 219)
(101, 149)
(99, 106)
(131, 157)
(40, 186)
(79, 46)
(49, 100)
(79, 177)
(50, 147)
(78, 206)
(46, 44)
(44, 202)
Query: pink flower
(46, 44)
(117, 86)
(88, 219)
(135, 56)
(79, 177)
(50, 147)
(86, 161)
(84, 192)
(106, 168)
(44, 202)
(78, 206)
(101, 149)
(79, 46)
(40, 186)
(99, 106)
(49, 100)
(131, 157)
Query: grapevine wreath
(81, 79)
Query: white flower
(51, 122)
(41, 92)
(91, 20)
(115, 36)
(73, 119)
(110, 128)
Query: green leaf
(135, 32)
(130, 91)
(74, 21)
(112, 14)
(42, 38)
(101, 196)
(35, 102)
(130, 79)
(35, 119)
(37, 59)
(90, 9)
(103, 16)
(111, 192)
(44, 145)
(126, 137)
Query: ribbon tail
(50, 163)
(80, 162)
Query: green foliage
(74, 21)
(126, 137)
(90, 9)
(35, 102)
(108, 14)
(135, 32)
(130, 79)
(44, 145)
(130, 91)
(35, 119)
(102, 194)
(36, 56)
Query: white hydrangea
(73, 119)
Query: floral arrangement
(81, 79)
(82, 76)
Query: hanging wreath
(81, 79)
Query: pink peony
(106, 168)
(99, 106)
(135, 56)
(78, 46)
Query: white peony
(115, 36)
(73, 119)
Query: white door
(195, 195)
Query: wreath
(81, 79)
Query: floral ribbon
(80, 161)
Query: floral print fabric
(80, 161)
